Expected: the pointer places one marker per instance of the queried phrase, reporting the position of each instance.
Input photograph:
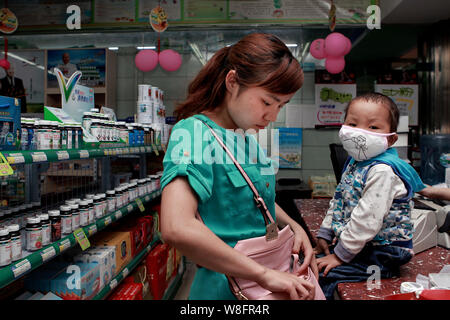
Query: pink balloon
(335, 44)
(146, 60)
(334, 64)
(5, 64)
(317, 49)
(169, 60)
(349, 46)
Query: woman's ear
(392, 140)
(231, 82)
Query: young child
(370, 214)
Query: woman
(242, 87)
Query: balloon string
(159, 44)
(6, 48)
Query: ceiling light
(145, 48)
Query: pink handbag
(274, 251)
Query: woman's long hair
(260, 60)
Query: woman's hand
(328, 262)
(322, 247)
(302, 244)
(278, 281)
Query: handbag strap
(271, 227)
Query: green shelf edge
(74, 154)
(35, 259)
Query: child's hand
(328, 262)
(322, 246)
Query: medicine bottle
(66, 220)
(55, 225)
(111, 200)
(5, 247)
(16, 242)
(33, 234)
(75, 216)
(46, 229)
(91, 210)
(84, 213)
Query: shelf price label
(14, 158)
(21, 267)
(39, 157)
(62, 155)
(92, 230)
(64, 245)
(140, 205)
(118, 215)
(107, 221)
(113, 284)
(84, 154)
(130, 208)
(82, 240)
(48, 253)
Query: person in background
(243, 86)
(66, 67)
(12, 86)
(369, 217)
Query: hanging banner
(406, 96)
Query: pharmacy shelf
(42, 156)
(125, 271)
(19, 268)
(175, 284)
(170, 291)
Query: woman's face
(254, 107)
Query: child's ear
(392, 140)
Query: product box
(67, 287)
(122, 243)
(118, 293)
(41, 279)
(156, 263)
(127, 291)
(105, 257)
(147, 223)
(136, 230)
(9, 123)
(139, 275)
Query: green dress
(225, 201)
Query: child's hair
(260, 60)
(376, 97)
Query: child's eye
(352, 124)
(266, 103)
(373, 127)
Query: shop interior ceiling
(402, 21)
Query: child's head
(374, 112)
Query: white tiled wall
(315, 152)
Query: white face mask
(362, 144)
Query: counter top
(429, 261)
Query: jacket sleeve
(381, 188)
